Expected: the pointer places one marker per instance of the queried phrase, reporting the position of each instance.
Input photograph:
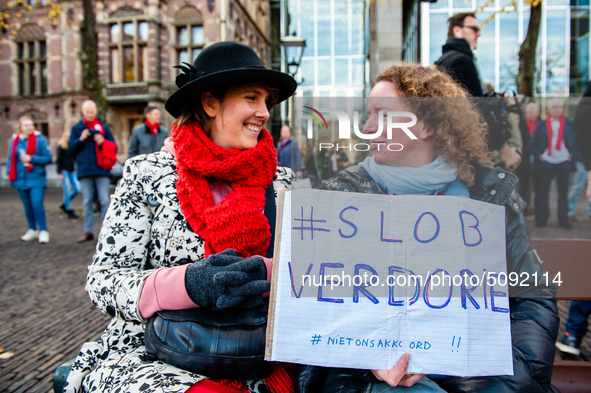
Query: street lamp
(293, 47)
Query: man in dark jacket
(458, 57)
(288, 152)
(86, 138)
(149, 136)
(553, 148)
(460, 62)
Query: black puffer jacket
(534, 315)
(458, 61)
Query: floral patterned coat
(144, 229)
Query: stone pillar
(386, 33)
(104, 57)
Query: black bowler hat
(221, 65)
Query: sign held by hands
(361, 279)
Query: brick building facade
(138, 44)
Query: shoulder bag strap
(271, 214)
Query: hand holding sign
(397, 376)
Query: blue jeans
(578, 314)
(578, 182)
(544, 172)
(88, 185)
(71, 187)
(425, 385)
(33, 203)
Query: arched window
(31, 60)
(189, 34)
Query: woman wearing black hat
(186, 226)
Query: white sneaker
(30, 235)
(43, 237)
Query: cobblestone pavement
(45, 313)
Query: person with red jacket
(93, 146)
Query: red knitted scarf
(560, 134)
(31, 148)
(152, 127)
(279, 381)
(238, 221)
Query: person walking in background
(579, 311)
(66, 174)
(583, 162)
(288, 152)
(532, 118)
(326, 165)
(583, 133)
(310, 164)
(460, 62)
(334, 160)
(578, 183)
(553, 146)
(28, 153)
(149, 136)
(91, 140)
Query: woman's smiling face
(237, 121)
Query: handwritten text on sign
(363, 279)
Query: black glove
(243, 289)
(244, 296)
(242, 275)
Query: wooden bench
(572, 259)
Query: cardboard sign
(361, 279)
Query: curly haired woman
(449, 157)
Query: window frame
(136, 44)
(27, 61)
(42, 126)
(177, 48)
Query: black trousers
(544, 172)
